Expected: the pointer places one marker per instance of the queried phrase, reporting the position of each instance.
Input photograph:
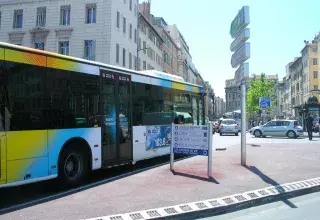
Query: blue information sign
(190, 151)
(191, 140)
(264, 102)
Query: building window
(314, 49)
(39, 46)
(117, 53)
(64, 47)
(135, 10)
(130, 60)
(124, 57)
(41, 17)
(315, 87)
(130, 5)
(315, 61)
(0, 19)
(135, 35)
(18, 18)
(130, 31)
(315, 74)
(65, 13)
(144, 47)
(89, 49)
(135, 62)
(91, 13)
(124, 23)
(118, 19)
(144, 65)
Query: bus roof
(92, 67)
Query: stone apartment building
(150, 43)
(219, 107)
(100, 30)
(183, 51)
(296, 73)
(285, 100)
(169, 47)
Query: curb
(223, 205)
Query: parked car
(279, 128)
(228, 126)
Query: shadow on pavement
(211, 180)
(270, 181)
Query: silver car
(228, 126)
(279, 128)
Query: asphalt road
(306, 208)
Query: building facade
(286, 105)
(169, 47)
(104, 31)
(310, 62)
(219, 107)
(150, 45)
(183, 51)
(296, 73)
(232, 95)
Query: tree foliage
(260, 87)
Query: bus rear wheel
(73, 166)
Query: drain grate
(286, 188)
(153, 213)
(215, 203)
(170, 211)
(201, 205)
(252, 195)
(240, 198)
(228, 200)
(272, 191)
(118, 217)
(185, 208)
(136, 216)
(263, 192)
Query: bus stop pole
(171, 149)
(243, 123)
(210, 150)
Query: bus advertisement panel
(158, 136)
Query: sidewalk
(267, 165)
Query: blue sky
(278, 29)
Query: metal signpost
(192, 140)
(241, 49)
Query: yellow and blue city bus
(64, 117)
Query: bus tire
(73, 165)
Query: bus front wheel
(73, 166)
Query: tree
(260, 87)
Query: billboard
(158, 136)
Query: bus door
(116, 124)
(3, 120)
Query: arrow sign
(238, 42)
(240, 55)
